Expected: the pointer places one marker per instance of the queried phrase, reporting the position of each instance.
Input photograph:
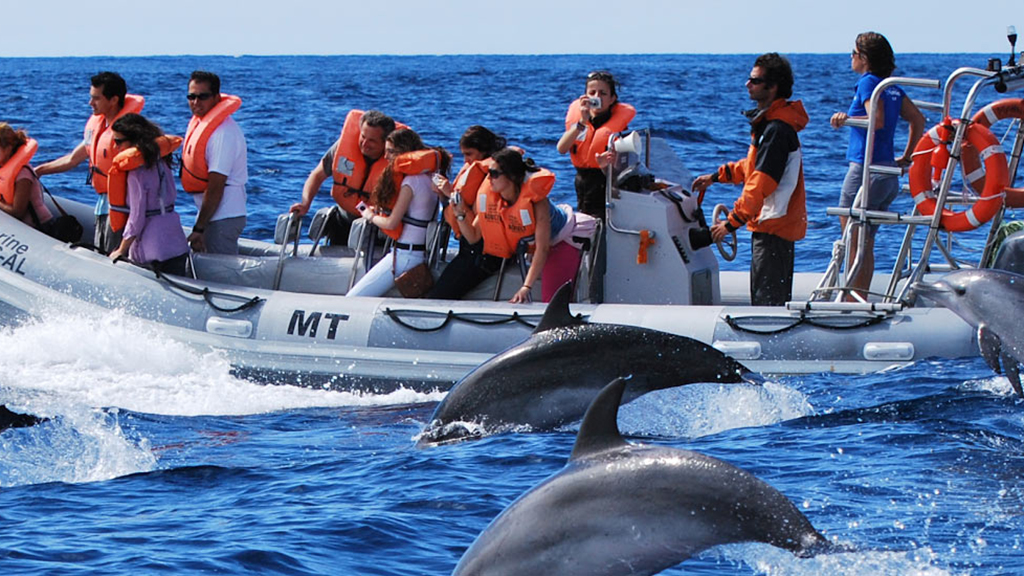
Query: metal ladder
(834, 285)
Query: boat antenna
(1011, 35)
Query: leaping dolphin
(550, 379)
(621, 508)
(989, 300)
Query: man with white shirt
(214, 167)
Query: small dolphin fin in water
(557, 314)
(9, 419)
(599, 430)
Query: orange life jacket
(467, 184)
(124, 162)
(195, 172)
(9, 171)
(415, 162)
(584, 152)
(352, 178)
(101, 141)
(503, 225)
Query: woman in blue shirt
(874, 60)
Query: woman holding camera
(513, 209)
(470, 266)
(591, 120)
(402, 207)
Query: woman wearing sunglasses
(142, 166)
(591, 120)
(513, 212)
(873, 58)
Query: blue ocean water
(158, 460)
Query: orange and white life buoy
(931, 156)
(970, 161)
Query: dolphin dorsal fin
(557, 314)
(599, 430)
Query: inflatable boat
(279, 313)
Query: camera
(438, 180)
(594, 101)
(456, 198)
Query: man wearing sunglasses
(214, 166)
(109, 100)
(772, 203)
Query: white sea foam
(115, 362)
(76, 445)
(703, 409)
(772, 561)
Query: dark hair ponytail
(511, 162)
(142, 134)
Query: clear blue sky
(90, 28)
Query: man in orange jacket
(773, 203)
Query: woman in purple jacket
(153, 233)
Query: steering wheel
(727, 248)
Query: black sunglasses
(119, 141)
(756, 81)
(204, 96)
(495, 173)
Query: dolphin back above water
(550, 379)
(989, 300)
(620, 508)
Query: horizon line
(443, 54)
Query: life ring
(931, 156)
(970, 161)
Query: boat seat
(300, 274)
(256, 248)
(485, 290)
